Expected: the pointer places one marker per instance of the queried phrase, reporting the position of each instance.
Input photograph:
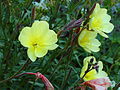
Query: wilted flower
(87, 40)
(38, 39)
(90, 66)
(100, 21)
(93, 75)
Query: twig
(38, 75)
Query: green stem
(46, 66)
(31, 88)
(66, 78)
(56, 68)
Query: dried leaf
(97, 84)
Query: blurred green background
(62, 73)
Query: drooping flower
(38, 39)
(95, 69)
(87, 40)
(100, 21)
(93, 75)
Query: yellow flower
(38, 39)
(100, 21)
(87, 40)
(92, 74)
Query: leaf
(115, 38)
(108, 59)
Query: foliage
(63, 65)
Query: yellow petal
(94, 45)
(31, 54)
(94, 49)
(107, 27)
(101, 74)
(90, 75)
(87, 60)
(50, 38)
(102, 34)
(87, 49)
(106, 18)
(100, 64)
(84, 69)
(90, 34)
(96, 10)
(96, 42)
(40, 28)
(40, 51)
(103, 11)
(52, 47)
(25, 37)
(86, 35)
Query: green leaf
(108, 59)
(115, 38)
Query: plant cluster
(57, 42)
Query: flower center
(35, 45)
(96, 23)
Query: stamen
(34, 45)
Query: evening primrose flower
(92, 69)
(38, 39)
(87, 40)
(100, 21)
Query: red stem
(38, 75)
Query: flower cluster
(39, 39)
(92, 73)
(99, 22)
